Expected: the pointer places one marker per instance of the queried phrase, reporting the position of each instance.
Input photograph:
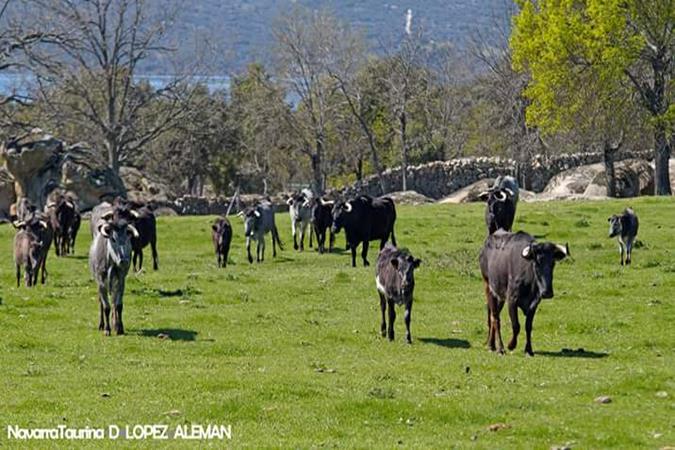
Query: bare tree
(87, 77)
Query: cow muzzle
(548, 293)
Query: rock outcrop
(38, 163)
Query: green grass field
(288, 351)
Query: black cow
(625, 228)
(62, 214)
(221, 234)
(500, 210)
(395, 282)
(518, 271)
(322, 219)
(365, 219)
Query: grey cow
(517, 271)
(395, 282)
(109, 260)
(625, 228)
(300, 210)
(27, 252)
(258, 221)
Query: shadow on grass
(448, 343)
(174, 334)
(578, 353)
(80, 257)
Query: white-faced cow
(518, 272)
(258, 221)
(395, 283)
(365, 219)
(300, 210)
(109, 260)
(625, 228)
(322, 219)
(221, 235)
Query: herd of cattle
(517, 270)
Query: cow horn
(103, 229)
(51, 205)
(325, 203)
(348, 207)
(564, 249)
(289, 202)
(526, 251)
(135, 213)
(133, 230)
(509, 191)
(257, 213)
(240, 214)
(19, 223)
(70, 204)
(43, 224)
(306, 203)
(107, 215)
(500, 196)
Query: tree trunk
(608, 158)
(661, 162)
(404, 151)
(359, 169)
(113, 156)
(317, 183)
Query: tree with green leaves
(588, 58)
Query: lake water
(21, 83)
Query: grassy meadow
(289, 353)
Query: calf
(146, 224)
(365, 219)
(517, 271)
(322, 219)
(395, 282)
(300, 210)
(625, 228)
(109, 260)
(258, 221)
(27, 250)
(41, 228)
(500, 209)
(221, 234)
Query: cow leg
(331, 241)
(621, 251)
(302, 237)
(134, 259)
(153, 247)
(274, 243)
(140, 259)
(408, 312)
(101, 322)
(629, 250)
(105, 305)
(383, 307)
(353, 248)
(117, 298)
(310, 237)
(495, 326)
(18, 275)
(226, 252)
(382, 243)
(248, 250)
(364, 253)
(528, 330)
(392, 319)
(515, 325)
(487, 308)
(295, 239)
(259, 251)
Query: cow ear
(528, 252)
(561, 252)
(394, 262)
(417, 262)
(214, 228)
(609, 219)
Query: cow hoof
(295, 246)
(511, 346)
(106, 332)
(250, 260)
(366, 263)
(529, 353)
(408, 341)
(501, 352)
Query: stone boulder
(7, 193)
(469, 193)
(409, 198)
(141, 188)
(40, 163)
(573, 181)
(634, 177)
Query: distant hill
(241, 29)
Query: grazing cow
(517, 271)
(41, 228)
(27, 251)
(500, 210)
(258, 221)
(625, 228)
(221, 234)
(322, 219)
(109, 260)
(300, 210)
(395, 282)
(62, 212)
(365, 219)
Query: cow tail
(393, 238)
(275, 235)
